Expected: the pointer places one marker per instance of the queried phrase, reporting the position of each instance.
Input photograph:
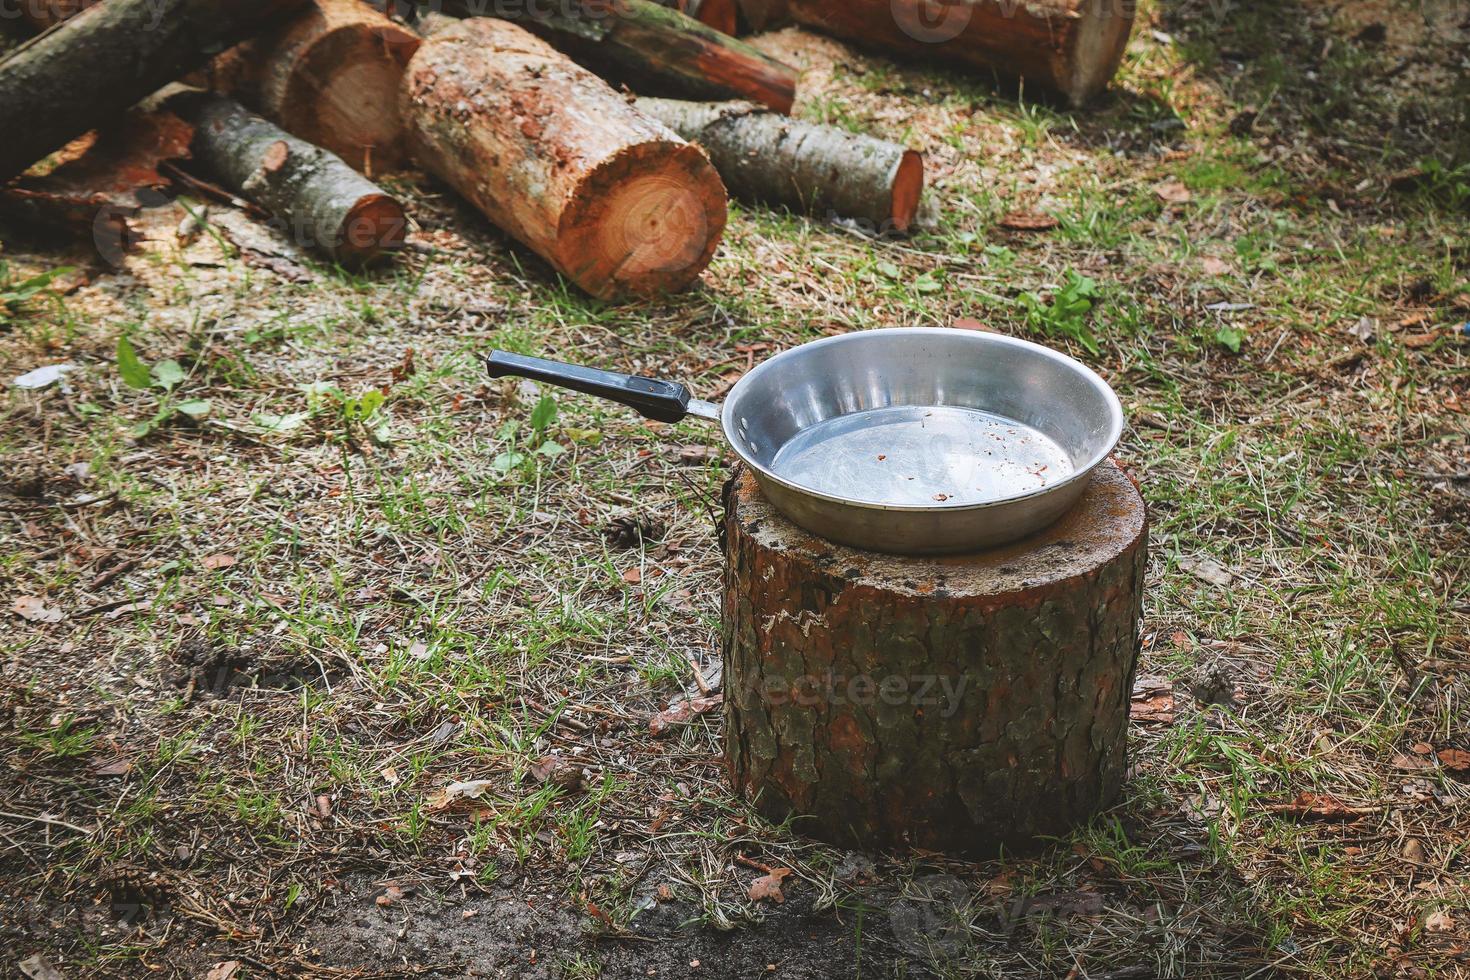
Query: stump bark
(616, 201)
(965, 704)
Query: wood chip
(1028, 221)
(1173, 192)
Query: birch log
(765, 157)
(324, 203)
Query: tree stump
(959, 703)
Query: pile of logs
(295, 106)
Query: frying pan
(920, 440)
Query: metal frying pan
(909, 440)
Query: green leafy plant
(164, 377)
(1230, 338)
(1067, 313)
(19, 296)
(543, 416)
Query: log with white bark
(1072, 47)
(615, 201)
(765, 157)
(322, 202)
(88, 70)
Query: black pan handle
(662, 401)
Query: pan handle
(662, 401)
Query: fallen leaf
(1455, 761)
(1028, 221)
(113, 767)
(129, 607)
(1153, 701)
(1403, 761)
(1439, 921)
(1321, 808)
(1414, 851)
(633, 576)
(1207, 569)
(471, 789)
(224, 970)
(1212, 266)
(38, 968)
(768, 887)
(1173, 192)
(35, 609)
(390, 775)
(681, 712)
(557, 770)
(392, 895)
(598, 914)
(212, 562)
(1419, 340)
(970, 323)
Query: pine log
(765, 157)
(614, 200)
(1071, 47)
(332, 75)
(652, 49)
(88, 70)
(965, 704)
(322, 202)
(722, 15)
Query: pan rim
(1083, 472)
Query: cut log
(332, 75)
(322, 202)
(722, 15)
(965, 704)
(86, 71)
(652, 49)
(615, 201)
(768, 158)
(1071, 47)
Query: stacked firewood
(295, 106)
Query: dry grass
(215, 758)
